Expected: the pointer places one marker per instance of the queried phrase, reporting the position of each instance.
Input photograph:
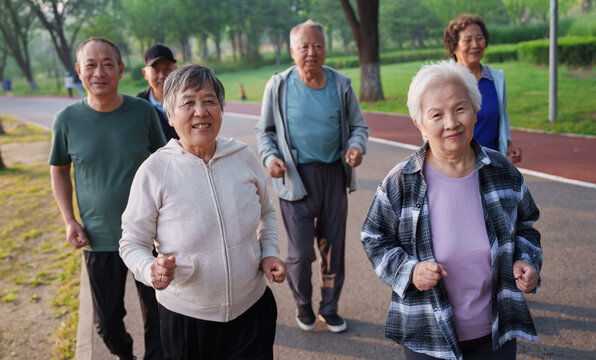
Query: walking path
(570, 158)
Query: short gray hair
(193, 77)
(441, 73)
(307, 24)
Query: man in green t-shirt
(105, 137)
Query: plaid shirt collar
(416, 163)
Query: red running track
(560, 155)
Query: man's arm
(62, 188)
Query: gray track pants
(320, 216)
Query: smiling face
(447, 120)
(156, 74)
(308, 49)
(196, 116)
(99, 69)
(470, 46)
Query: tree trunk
(55, 28)
(2, 67)
(233, 45)
(366, 34)
(329, 40)
(217, 41)
(25, 67)
(278, 41)
(2, 166)
(204, 47)
(586, 6)
(346, 42)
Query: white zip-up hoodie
(217, 220)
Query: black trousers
(107, 277)
(319, 217)
(477, 349)
(249, 336)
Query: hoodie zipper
(223, 236)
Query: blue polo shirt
(486, 131)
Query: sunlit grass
(33, 252)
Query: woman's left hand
(274, 269)
(526, 277)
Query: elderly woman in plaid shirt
(450, 230)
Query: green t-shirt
(106, 149)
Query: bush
(500, 53)
(583, 26)
(393, 57)
(511, 34)
(136, 72)
(572, 51)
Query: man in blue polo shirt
(159, 63)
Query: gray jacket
(273, 140)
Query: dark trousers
(477, 349)
(107, 277)
(249, 336)
(320, 217)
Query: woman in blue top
(466, 38)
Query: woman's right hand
(427, 274)
(162, 271)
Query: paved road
(564, 310)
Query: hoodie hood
(225, 147)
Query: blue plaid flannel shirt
(396, 235)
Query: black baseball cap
(158, 52)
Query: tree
(63, 20)
(330, 14)
(365, 29)
(515, 9)
(2, 166)
(149, 21)
(445, 10)
(409, 20)
(110, 24)
(16, 21)
(3, 58)
(281, 20)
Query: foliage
(63, 20)
(148, 20)
(583, 26)
(410, 21)
(110, 24)
(445, 10)
(500, 53)
(512, 33)
(521, 11)
(330, 14)
(573, 51)
(16, 24)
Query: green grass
(527, 87)
(34, 254)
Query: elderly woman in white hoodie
(203, 202)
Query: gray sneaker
(305, 317)
(334, 323)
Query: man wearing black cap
(159, 63)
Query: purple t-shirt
(460, 244)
